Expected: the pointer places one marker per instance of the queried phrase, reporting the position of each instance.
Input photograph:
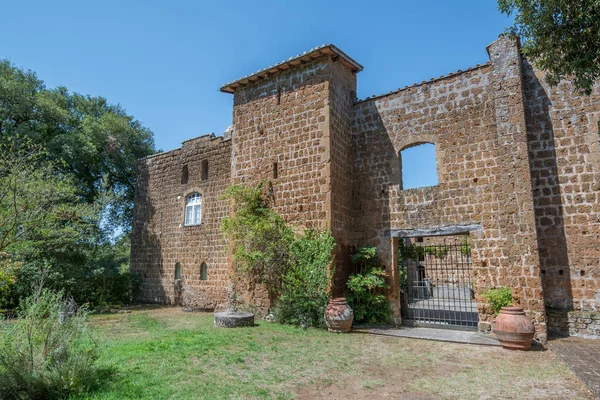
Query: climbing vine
(295, 267)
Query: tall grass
(48, 352)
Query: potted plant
(512, 327)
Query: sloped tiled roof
(325, 49)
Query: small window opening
(178, 271)
(275, 171)
(185, 175)
(203, 271)
(205, 170)
(193, 209)
(278, 96)
(582, 273)
(420, 239)
(419, 167)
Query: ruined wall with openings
(160, 238)
(564, 152)
(515, 158)
(474, 120)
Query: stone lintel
(437, 231)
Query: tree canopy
(95, 142)
(561, 37)
(67, 179)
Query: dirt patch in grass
(401, 368)
(165, 353)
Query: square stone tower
(292, 126)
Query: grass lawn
(163, 353)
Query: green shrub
(8, 275)
(48, 352)
(413, 252)
(259, 236)
(498, 297)
(365, 288)
(304, 287)
(113, 288)
(465, 246)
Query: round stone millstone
(233, 319)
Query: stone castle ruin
(517, 201)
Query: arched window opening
(205, 170)
(203, 272)
(177, 271)
(185, 175)
(419, 167)
(193, 209)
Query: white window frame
(193, 209)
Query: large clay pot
(514, 329)
(338, 315)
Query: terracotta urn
(514, 329)
(338, 315)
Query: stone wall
(473, 119)
(584, 324)
(160, 238)
(342, 95)
(515, 159)
(283, 123)
(564, 153)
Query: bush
(498, 297)
(113, 289)
(304, 284)
(8, 274)
(365, 288)
(259, 236)
(48, 352)
(93, 274)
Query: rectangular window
(205, 170)
(193, 209)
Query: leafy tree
(36, 204)
(66, 186)
(42, 220)
(561, 37)
(95, 142)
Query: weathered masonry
(518, 180)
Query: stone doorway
(436, 282)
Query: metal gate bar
(436, 280)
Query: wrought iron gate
(436, 286)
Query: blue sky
(165, 61)
(419, 166)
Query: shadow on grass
(104, 376)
